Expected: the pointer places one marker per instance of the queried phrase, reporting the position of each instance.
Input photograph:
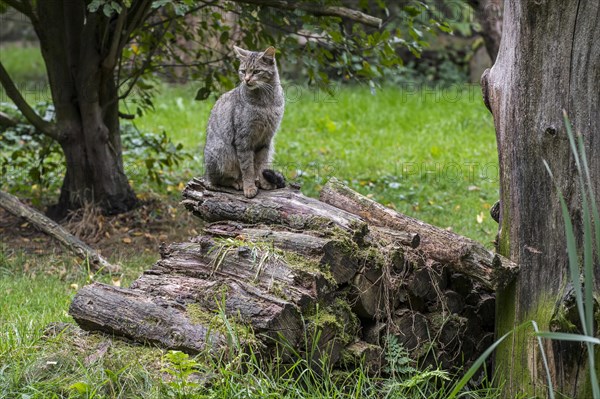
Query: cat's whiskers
(269, 88)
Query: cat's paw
(250, 191)
(237, 185)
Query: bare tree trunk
(86, 101)
(489, 16)
(549, 60)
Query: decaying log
(333, 253)
(461, 254)
(361, 352)
(136, 315)
(278, 207)
(56, 231)
(253, 283)
(282, 266)
(266, 269)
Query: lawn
(429, 153)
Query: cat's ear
(269, 55)
(240, 52)
(270, 52)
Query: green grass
(40, 362)
(431, 154)
(24, 63)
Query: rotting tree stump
(281, 266)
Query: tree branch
(318, 10)
(56, 231)
(135, 19)
(21, 6)
(7, 121)
(29, 113)
(113, 53)
(147, 61)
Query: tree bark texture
(77, 47)
(489, 16)
(549, 60)
(296, 269)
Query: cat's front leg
(246, 159)
(262, 160)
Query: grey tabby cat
(242, 124)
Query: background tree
(489, 16)
(98, 52)
(549, 60)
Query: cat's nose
(247, 78)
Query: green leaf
(560, 336)
(95, 5)
(412, 11)
(80, 387)
(116, 6)
(544, 360)
(202, 94)
(107, 10)
(224, 38)
(160, 3)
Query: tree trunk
(489, 16)
(549, 60)
(86, 101)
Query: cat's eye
(242, 71)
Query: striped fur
(242, 124)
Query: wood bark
(285, 207)
(549, 61)
(132, 314)
(326, 251)
(76, 45)
(56, 231)
(489, 15)
(460, 253)
(7, 121)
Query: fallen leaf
(480, 218)
(127, 240)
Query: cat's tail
(274, 177)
